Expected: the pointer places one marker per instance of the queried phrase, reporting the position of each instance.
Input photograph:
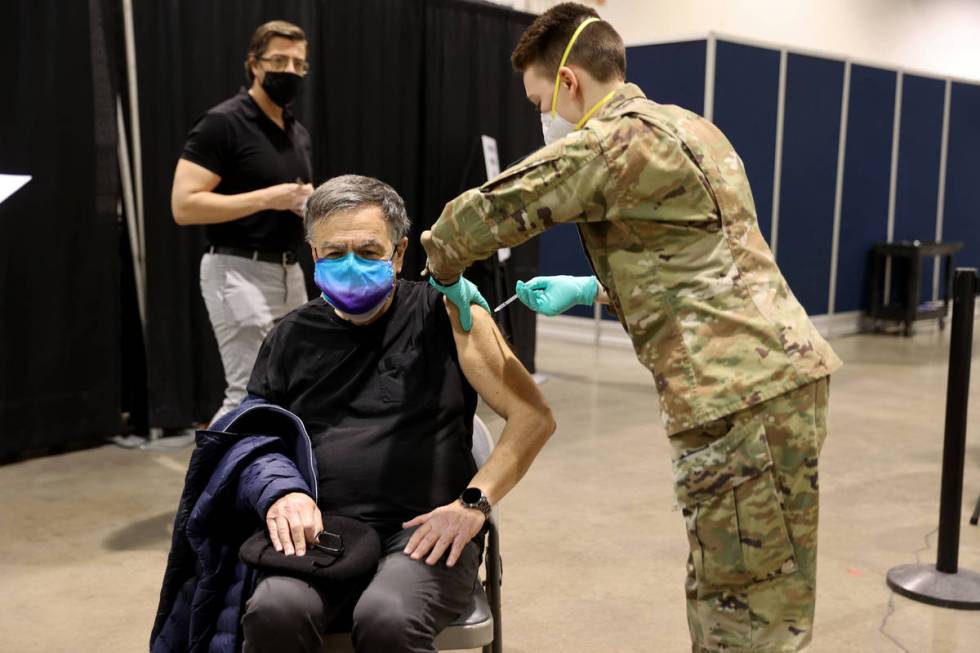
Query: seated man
(386, 382)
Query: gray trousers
(402, 609)
(245, 298)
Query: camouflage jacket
(666, 215)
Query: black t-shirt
(238, 142)
(386, 405)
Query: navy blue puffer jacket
(205, 586)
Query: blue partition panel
(670, 73)
(867, 175)
(811, 130)
(746, 102)
(961, 217)
(919, 147)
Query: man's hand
(293, 521)
(285, 197)
(445, 527)
(463, 294)
(305, 191)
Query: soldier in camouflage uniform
(666, 215)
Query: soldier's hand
(463, 294)
(555, 295)
(293, 520)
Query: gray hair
(349, 192)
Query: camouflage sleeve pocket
(556, 184)
(538, 157)
(734, 516)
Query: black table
(909, 311)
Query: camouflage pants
(747, 487)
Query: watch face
(472, 495)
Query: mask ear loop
(598, 104)
(564, 57)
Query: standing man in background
(667, 218)
(245, 174)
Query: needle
(504, 305)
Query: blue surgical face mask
(357, 287)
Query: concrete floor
(593, 552)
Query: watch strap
(483, 505)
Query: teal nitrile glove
(463, 293)
(554, 295)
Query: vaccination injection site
(404, 326)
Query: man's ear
(400, 255)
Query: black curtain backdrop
(59, 263)
(399, 90)
(471, 89)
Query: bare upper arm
(492, 368)
(189, 178)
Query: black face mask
(281, 87)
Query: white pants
(245, 299)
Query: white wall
(937, 36)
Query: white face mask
(554, 127)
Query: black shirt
(238, 142)
(386, 405)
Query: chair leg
(496, 646)
(976, 513)
(494, 581)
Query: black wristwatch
(473, 497)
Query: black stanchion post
(945, 584)
(957, 396)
